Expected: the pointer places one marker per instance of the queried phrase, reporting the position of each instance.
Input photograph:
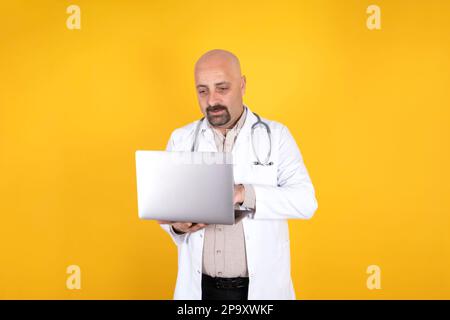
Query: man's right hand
(184, 227)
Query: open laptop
(193, 187)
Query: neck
(225, 129)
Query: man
(251, 259)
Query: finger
(164, 222)
(196, 227)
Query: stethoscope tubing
(258, 161)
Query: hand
(239, 194)
(184, 227)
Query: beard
(218, 115)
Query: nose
(213, 99)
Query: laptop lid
(193, 187)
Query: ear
(243, 84)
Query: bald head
(220, 87)
(221, 59)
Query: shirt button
(219, 273)
(218, 251)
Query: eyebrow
(216, 84)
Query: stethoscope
(258, 161)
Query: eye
(222, 89)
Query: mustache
(217, 107)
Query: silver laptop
(193, 187)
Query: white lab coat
(283, 191)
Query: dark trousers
(224, 288)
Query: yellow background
(369, 111)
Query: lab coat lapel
(206, 141)
(243, 137)
(242, 150)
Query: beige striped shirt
(224, 245)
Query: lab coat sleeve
(249, 197)
(177, 238)
(294, 195)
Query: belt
(226, 283)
